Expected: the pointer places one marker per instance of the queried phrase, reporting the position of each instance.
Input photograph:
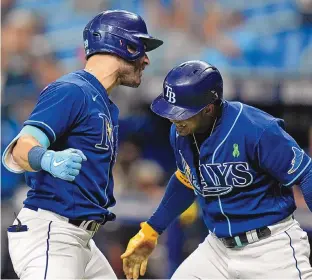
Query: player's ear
(209, 110)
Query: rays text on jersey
(220, 179)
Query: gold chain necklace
(209, 136)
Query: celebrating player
(240, 165)
(68, 148)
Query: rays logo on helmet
(296, 161)
(171, 96)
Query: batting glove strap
(35, 156)
(148, 231)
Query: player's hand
(65, 164)
(138, 250)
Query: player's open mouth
(181, 126)
(181, 129)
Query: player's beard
(131, 72)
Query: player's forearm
(31, 156)
(176, 200)
(306, 187)
(21, 151)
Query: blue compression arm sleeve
(37, 133)
(176, 200)
(29, 130)
(306, 188)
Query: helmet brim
(150, 42)
(163, 108)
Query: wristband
(34, 157)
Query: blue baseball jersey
(75, 112)
(246, 169)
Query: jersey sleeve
(60, 107)
(173, 140)
(180, 170)
(280, 155)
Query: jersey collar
(96, 83)
(224, 127)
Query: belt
(84, 224)
(246, 238)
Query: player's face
(189, 126)
(131, 71)
(196, 124)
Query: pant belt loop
(94, 226)
(238, 241)
(254, 235)
(249, 236)
(85, 225)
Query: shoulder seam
(70, 83)
(256, 147)
(264, 130)
(81, 90)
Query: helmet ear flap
(96, 36)
(217, 102)
(132, 49)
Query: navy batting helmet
(187, 89)
(113, 31)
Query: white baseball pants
(283, 255)
(52, 248)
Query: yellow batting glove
(138, 250)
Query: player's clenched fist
(138, 250)
(65, 164)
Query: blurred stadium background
(262, 47)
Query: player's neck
(105, 69)
(211, 123)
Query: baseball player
(240, 165)
(68, 148)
